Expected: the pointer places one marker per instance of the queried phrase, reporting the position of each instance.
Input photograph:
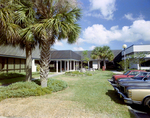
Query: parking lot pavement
(139, 111)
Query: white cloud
(106, 7)
(92, 47)
(129, 16)
(58, 43)
(78, 49)
(99, 35)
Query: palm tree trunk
(28, 62)
(104, 63)
(44, 62)
(98, 64)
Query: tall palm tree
(15, 16)
(96, 54)
(56, 20)
(106, 53)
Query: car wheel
(147, 102)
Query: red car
(130, 73)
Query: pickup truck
(130, 73)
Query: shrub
(56, 85)
(38, 68)
(53, 84)
(23, 89)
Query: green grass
(97, 95)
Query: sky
(112, 23)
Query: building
(14, 59)
(135, 49)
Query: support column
(56, 66)
(70, 66)
(60, 65)
(74, 65)
(67, 65)
(33, 65)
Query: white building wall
(95, 65)
(33, 65)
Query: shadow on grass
(115, 97)
(9, 78)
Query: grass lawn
(93, 94)
(96, 94)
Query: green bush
(53, 84)
(23, 89)
(56, 85)
(38, 68)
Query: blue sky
(112, 23)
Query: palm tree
(96, 54)
(15, 16)
(56, 19)
(106, 53)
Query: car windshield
(126, 72)
(141, 74)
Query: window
(134, 73)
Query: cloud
(106, 8)
(78, 49)
(92, 47)
(99, 35)
(129, 16)
(58, 43)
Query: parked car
(142, 76)
(135, 91)
(136, 94)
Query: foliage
(23, 89)
(53, 84)
(56, 85)
(85, 56)
(102, 53)
(122, 66)
(38, 68)
(138, 58)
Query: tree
(85, 56)
(56, 19)
(106, 53)
(96, 54)
(138, 58)
(14, 18)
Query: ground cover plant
(25, 89)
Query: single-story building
(14, 59)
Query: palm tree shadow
(115, 97)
